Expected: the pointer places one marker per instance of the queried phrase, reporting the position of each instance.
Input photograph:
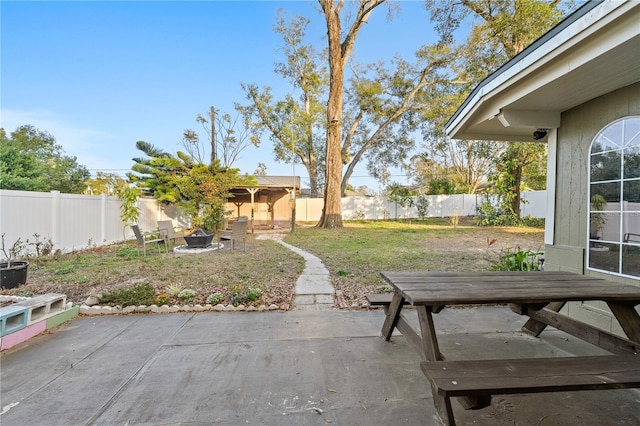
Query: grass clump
(127, 252)
(139, 294)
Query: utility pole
(214, 154)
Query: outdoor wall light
(539, 134)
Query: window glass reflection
(631, 194)
(605, 257)
(614, 198)
(612, 136)
(611, 226)
(631, 132)
(632, 162)
(609, 191)
(631, 260)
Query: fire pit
(199, 239)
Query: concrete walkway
(313, 287)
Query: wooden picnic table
(537, 295)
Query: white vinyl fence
(72, 221)
(378, 208)
(76, 222)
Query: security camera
(539, 134)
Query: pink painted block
(20, 336)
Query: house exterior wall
(579, 126)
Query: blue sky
(100, 76)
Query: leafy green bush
(139, 294)
(491, 215)
(518, 260)
(534, 222)
(422, 205)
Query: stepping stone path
(313, 287)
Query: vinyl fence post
(103, 218)
(55, 213)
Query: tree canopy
(227, 137)
(31, 160)
(200, 190)
(500, 29)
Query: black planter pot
(14, 276)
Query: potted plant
(13, 272)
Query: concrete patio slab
(276, 368)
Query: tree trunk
(214, 153)
(339, 52)
(517, 183)
(332, 211)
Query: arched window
(614, 194)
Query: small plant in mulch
(239, 295)
(384, 288)
(174, 289)
(162, 299)
(216, 297)
(140, 294)
(187, 295)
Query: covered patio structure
(269, 204)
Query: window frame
(613, 210)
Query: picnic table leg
(393, 313)
(628, 318)
(431, 351)
(430, 346)
(535, 327)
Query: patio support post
(252, 191)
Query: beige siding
(578, 128)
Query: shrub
(215, 298)
(253, 294)
(422, 205)
(140, 294)
(534, 222)
(518, 260)
(186, 295)
(490, 215)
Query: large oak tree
(340, 46)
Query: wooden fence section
(76, 222)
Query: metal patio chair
(144, 238)
(238, 232)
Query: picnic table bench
(538, 295)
